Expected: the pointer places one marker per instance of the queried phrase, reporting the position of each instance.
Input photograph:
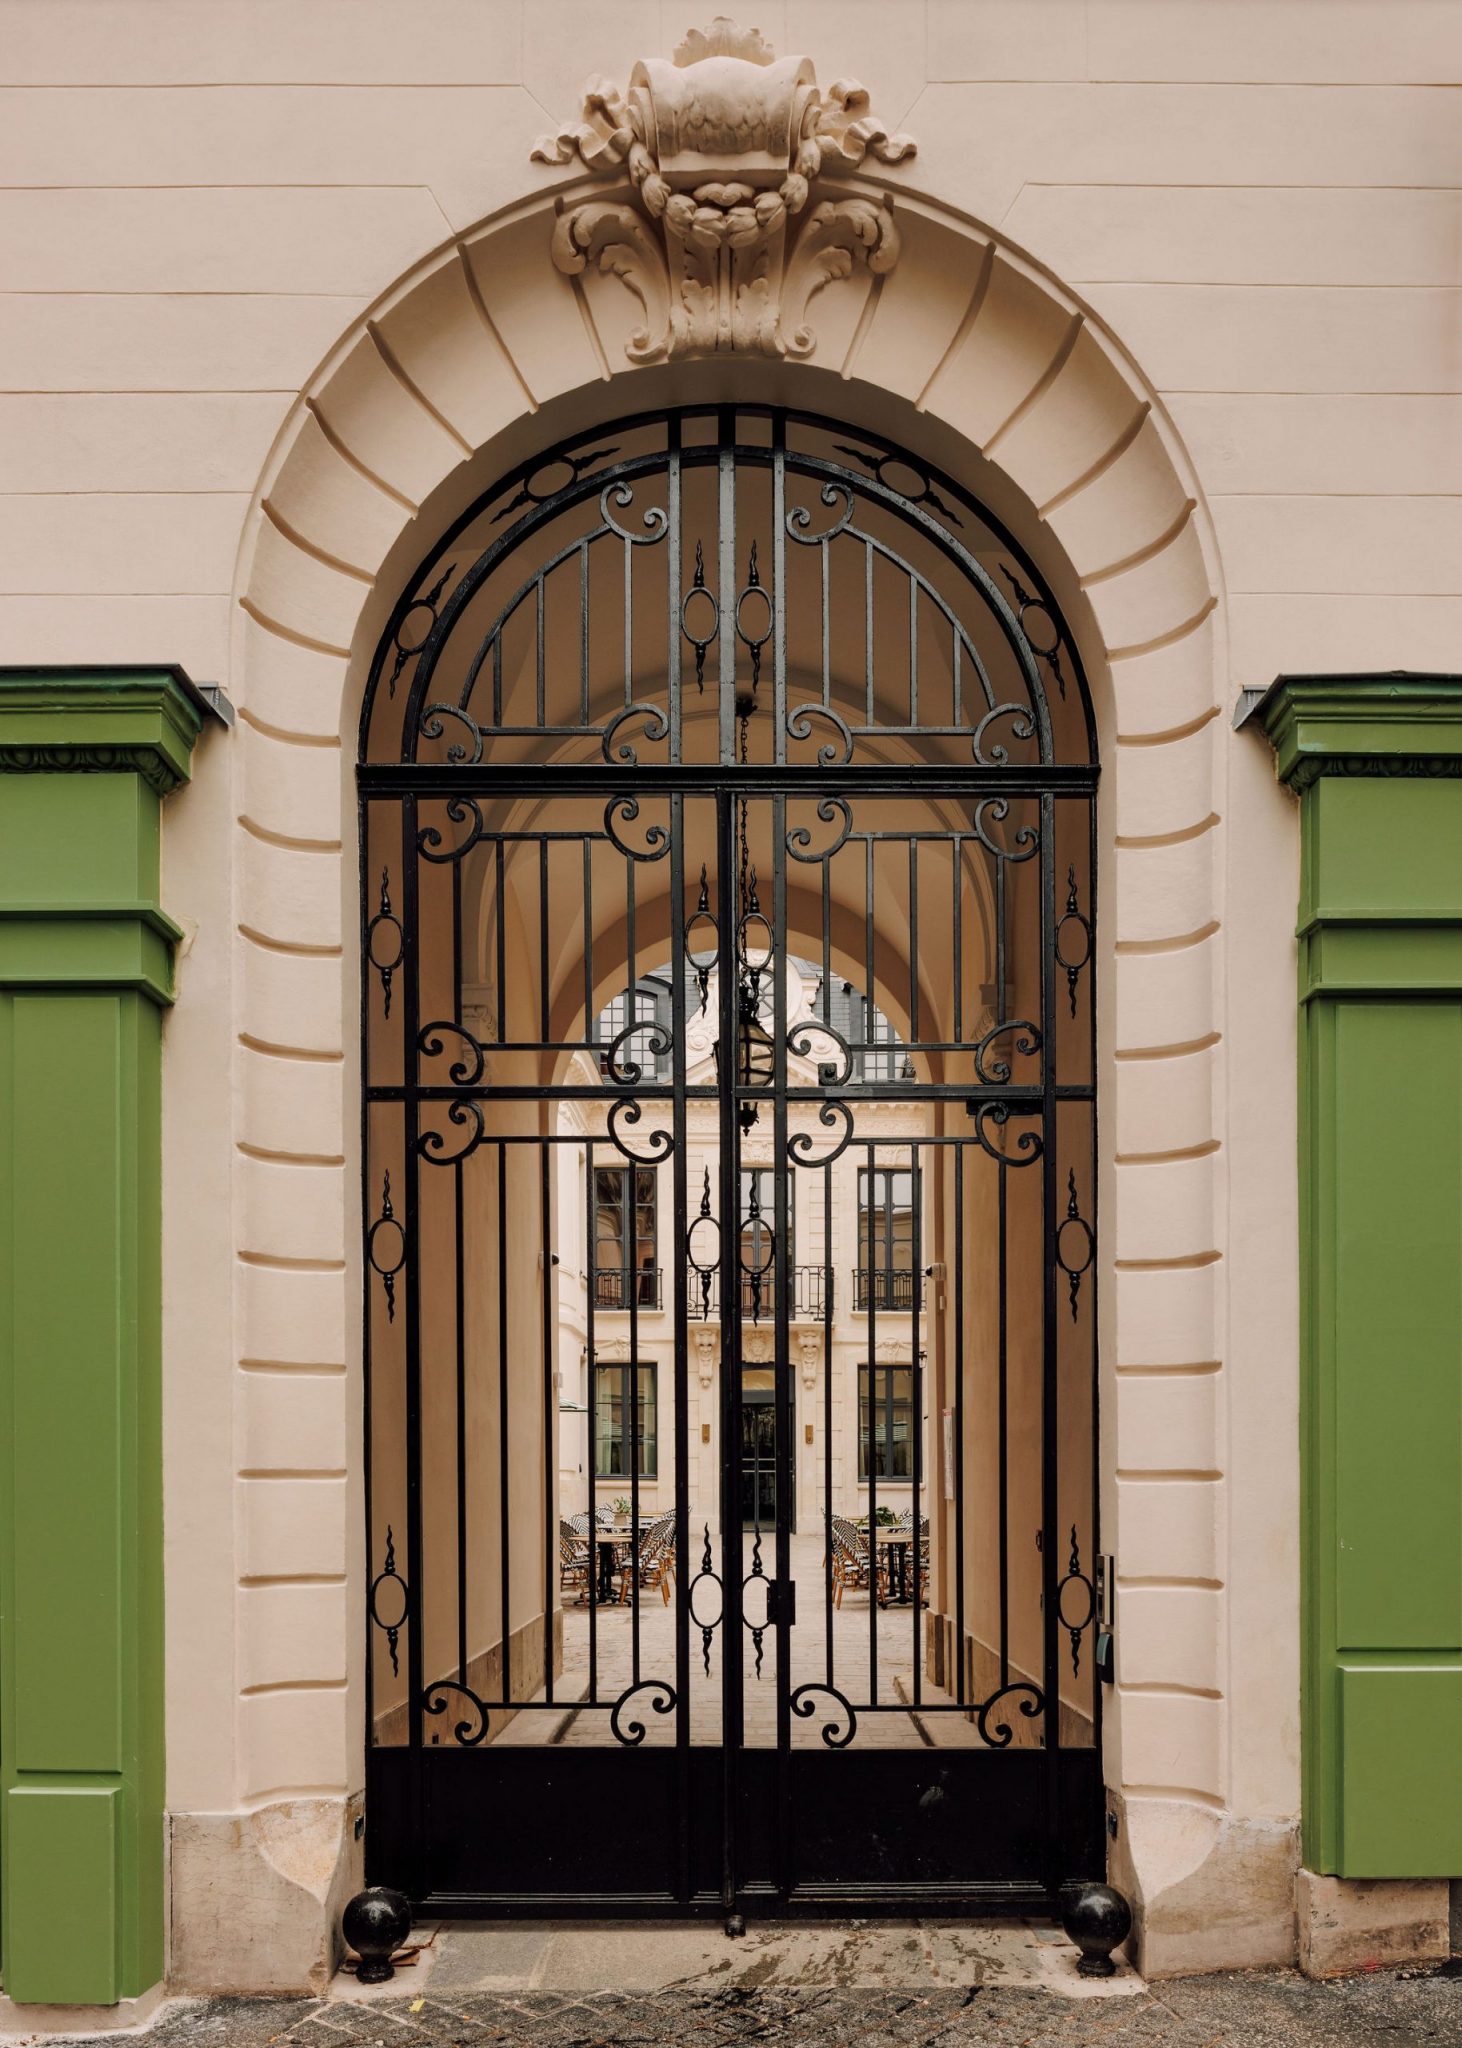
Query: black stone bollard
(1098, 1919)
(376, 1922)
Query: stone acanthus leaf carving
(725, 241)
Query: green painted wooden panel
(1383, 847)
(73, 1311)
(64, 1906)
(85, 964)
(78, 840)
(1397, 1306)
(1401, 1772)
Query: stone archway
(1007, 370)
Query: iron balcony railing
(889, 1287)
(619, 1286)
(812, 1291)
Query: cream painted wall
(1259, 198)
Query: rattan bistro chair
(654, 1560)
(574, 1558)
(852, 1558)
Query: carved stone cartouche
(725, 240)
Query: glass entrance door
(758, 1459)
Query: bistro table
(898, 1542)
(608, 1544)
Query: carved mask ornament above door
(726, 238)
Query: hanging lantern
(755, 1056)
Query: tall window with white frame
(624, 1237)
(888, 1203)
(618, 1385)
(886, 1422)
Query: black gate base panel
(637, 1833)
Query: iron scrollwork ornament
(424, 611)
(390, 1627)
(1075, 1243)
(707, 1624)
(692, 608)
(702, 915)
(1029, 607)
(757, 1577)
(897, 464)
(1076, 1626)
(386, 920)
(662, 1701)
(1073, 916)
(704, 1260)
(837, 1734)
(381, 1234)
(533, 492)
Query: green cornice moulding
(102, 721)
(1401, 722)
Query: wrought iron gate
(727, 800)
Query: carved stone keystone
(725, 239)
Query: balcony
(621, 1287)
(887, 1287)
(811, 1293)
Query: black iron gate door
(727, 825)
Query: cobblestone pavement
(1390, 2009)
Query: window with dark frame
(624, 1238)
(640, 1048)
(893, 1421)
(616, 1386)
(888, 1219)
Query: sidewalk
(918, 1985)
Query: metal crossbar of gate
(727, 812)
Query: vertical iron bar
(411, 1227)
(680, 1279)
(913, 651)
(539, 665)
(459, 1308)
(1050, 1548)
(591, 1403)
(502, 942)
(672, 571)
(1003, 1419)
(1095, 1127)
(779, 594)
(732, 1547)
(550, 1408)
(588, 939)
(505, 1653)
(543, 992)
(726, 589)
(827, 671)
(827, 1394)
(956, 898)
(959, 1421)
(872, 1313)
(367, 866)
(868, 627)
(583, 632)
(916, 1379)
(913, 941)
(782, 1375)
